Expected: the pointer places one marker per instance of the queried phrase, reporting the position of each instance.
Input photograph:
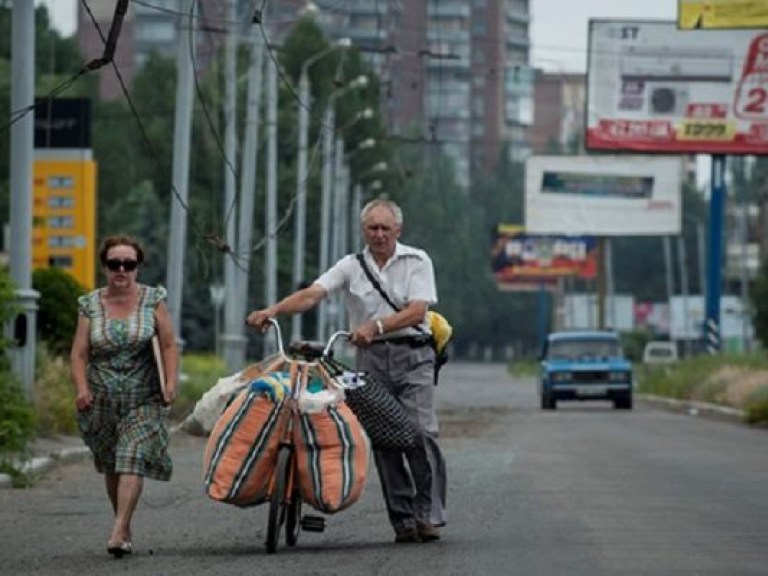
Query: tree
(57, 308)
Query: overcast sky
(558, 27)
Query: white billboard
(654, 88)
(603, 195)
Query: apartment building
(454, 72)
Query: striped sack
(332, 456)
(241, 452)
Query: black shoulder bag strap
(375, 282)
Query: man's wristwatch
(380, 327)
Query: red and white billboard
(655, 88)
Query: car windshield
(569, 349)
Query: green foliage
(634, 343)
(692, 379)
(756, 411)
(200, 372)
(54, 395)
(57, 308)
(17, 419)
(7, 310)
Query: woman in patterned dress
(121, 409)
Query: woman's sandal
(119, 549)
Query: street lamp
(329, 122)
(301, 175)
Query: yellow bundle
(441, 330)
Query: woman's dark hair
(120, 240)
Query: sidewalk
(47, 454)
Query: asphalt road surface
(583, 490)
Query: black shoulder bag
(441, 357)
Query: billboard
(603, 195)
(654, 88)
(64, 217)
(722, 14)
(526, 262)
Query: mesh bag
(381, 415)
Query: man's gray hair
(392, 206)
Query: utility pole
(329, 121)
(22, 331)
(187, 42)
(229, 339)
(270, 272)
(301, 195)
(248, 187)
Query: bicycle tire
(276, 516)
(293, 519)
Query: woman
(122, 411)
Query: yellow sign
(722, 14)
(706, 130)
(64, 217)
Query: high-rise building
(454, 72)
(558, 125)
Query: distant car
(660, 352)
(585, 365)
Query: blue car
(585, 365)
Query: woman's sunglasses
(127, 265)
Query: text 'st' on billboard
(528, 262)
(655, 88)
(721, 14)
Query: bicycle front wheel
(277, 504)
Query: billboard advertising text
(522, 261)
(655, 88)
(603, 195)
(721, 14)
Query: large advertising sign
(721, 14)
(603, 195)
(64, 217)
(655, 88)
(526, 262)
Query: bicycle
(285, 502)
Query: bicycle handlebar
(328, 347)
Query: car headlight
(620, 377)
(561, 377)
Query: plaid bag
(381, 415)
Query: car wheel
(623, 402)
(548, 402)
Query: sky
(558, 27)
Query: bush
(57, 312)
(756, 411)
(54, 395)
(199, 373)
(17, 420)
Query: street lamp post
(301, 175)
(325, 201)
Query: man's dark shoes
(407, 536)
(427, 532)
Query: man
(392, 347)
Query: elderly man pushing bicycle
(388, 289)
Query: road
(583, 490)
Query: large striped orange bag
(241, 451)
(332, 455)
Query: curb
(696, 409)
(40, 465)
